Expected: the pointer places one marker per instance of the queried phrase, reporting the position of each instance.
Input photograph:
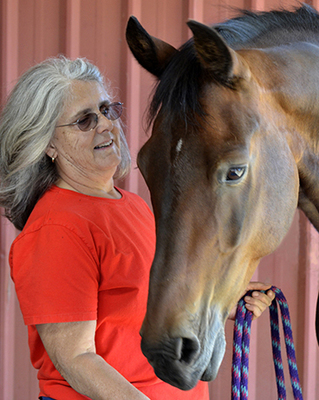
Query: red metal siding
(32, 30)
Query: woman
(81, 263)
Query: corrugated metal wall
(32, 30)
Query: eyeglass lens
(111, 111)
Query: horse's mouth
(216, 358)
(175, 375)
(185, 375)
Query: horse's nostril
(178, 349)
(190, 348)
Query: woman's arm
(71, 348)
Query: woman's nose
(103, 124)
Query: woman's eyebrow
(80, 113)
(104, 102)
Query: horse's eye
(235, 173)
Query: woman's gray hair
(27, 125)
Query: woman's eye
(105, 110)
(83, 120)
(235, 173)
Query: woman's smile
(104, 145)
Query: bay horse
(234, 150)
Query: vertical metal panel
(131, 83)
(73, 28)
(307, 341)
(8, 305)
(6, 321)
(196, 10)
(32, 30)
(9, 45)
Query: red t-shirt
(85, 258)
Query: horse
(234, 151)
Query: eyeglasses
(89, 121)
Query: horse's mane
(178, 90)
(251, 27)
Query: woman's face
(86, 157)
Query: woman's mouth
(103, 145)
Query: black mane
(251, 28)
(178, 90)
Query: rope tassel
(241, 343)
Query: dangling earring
(53, 159)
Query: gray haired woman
(81, 263)
(28, 124)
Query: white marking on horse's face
(179, 145)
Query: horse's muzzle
(182, 362)
(173, 360)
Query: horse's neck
(291, 73)
(288, 78)
(293, 81)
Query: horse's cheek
(275, 218)
(230, 222)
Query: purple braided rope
(241, 349)
(276, 350)
(241, 352)
(290, 347)
(245, 356)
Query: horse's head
(224, 189)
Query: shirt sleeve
(56, 276)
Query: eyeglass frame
(96, 119)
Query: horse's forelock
(178, 91)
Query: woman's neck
(109, 191)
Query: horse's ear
(214, 54)
(152, 53)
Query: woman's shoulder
(56, 216)
(58, 210)
(56, 206)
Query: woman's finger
(258, 302)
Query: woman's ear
(51, 151)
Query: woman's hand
(258, 302)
